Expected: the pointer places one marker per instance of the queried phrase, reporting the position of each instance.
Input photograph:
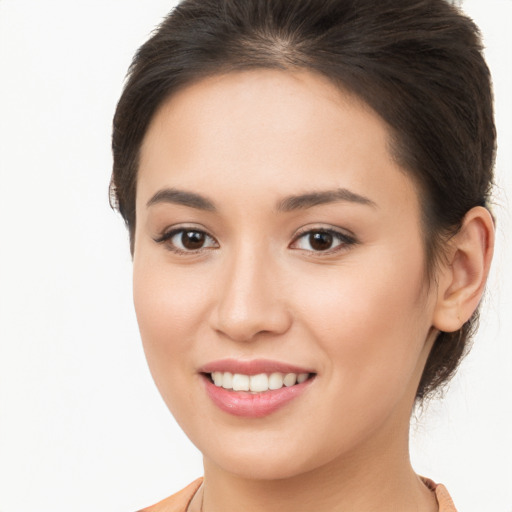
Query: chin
(261, 466)
(257, 456)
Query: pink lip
(253, 367)
(252, 405)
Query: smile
(259, 383)
(254, 389)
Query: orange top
(180, 501)
(177, 502)
(443, 498)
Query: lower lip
(253, 405)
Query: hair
(417, 63)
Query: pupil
(320, 241)
(192, 240)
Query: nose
(250, 300)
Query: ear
(462, 278)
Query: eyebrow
(310, 199)
(288, 204)
(182, 197)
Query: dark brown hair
(417, 63)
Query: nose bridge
(249, 300)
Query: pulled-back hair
(417, 63)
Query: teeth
(275, 381)
(240, 382)
(227, 380)
(217, 378)
(302, 377)
(290, 379)
(257, 383)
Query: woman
(305, 186)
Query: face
(277, 240)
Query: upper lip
(251, 367)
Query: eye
(187, 240)
(322, 240)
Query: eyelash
(167, 237)
(344, 240)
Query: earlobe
(463, 276)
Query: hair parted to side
(417, 63)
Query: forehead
(268, 130)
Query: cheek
(168, 305)
(371, 326)
(371, 321)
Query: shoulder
(443, 497)
(177, 502)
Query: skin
(360, 315)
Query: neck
(377, 476)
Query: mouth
(254, 389)
(259, 383)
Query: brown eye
(184, 240)
(320, 240)
(192, 240)
(323, 240)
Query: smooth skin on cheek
(274, 232)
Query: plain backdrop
(82, 427)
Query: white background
(82, 427)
